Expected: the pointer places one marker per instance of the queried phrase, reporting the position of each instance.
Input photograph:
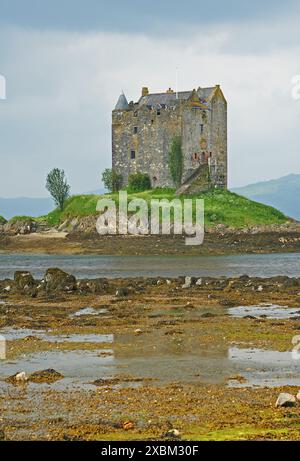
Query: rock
(138, 331)
(20, 226)
(199, 282)
(128, 425)
(187, 282)
(92, 286)
(168, 282)
(298, 396)
(23, 280)
(57, 280)
(260, 288)
(122, 292)
(8, 288)
(285, 400)
(19, 378)
(174, 433)
(227, 302)
(208, 315)
(45, 376)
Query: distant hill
(282, 193)
(21, 206)
(26, 206)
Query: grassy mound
(221, 207)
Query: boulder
(45, 376)
(17, 378)
(57, 280)
(122, 292)
(298, 396)
(23, 280)
(285, 400)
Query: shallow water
(162, 359)
(82, 266)
(88, 311)
(272, 311)
(11, 334)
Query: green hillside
(221, 207)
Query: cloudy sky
(66, 61)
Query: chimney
(145, 91)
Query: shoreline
(279, 240)
(150, 355)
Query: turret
(122, 103)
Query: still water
(261, 265)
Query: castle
(142, 134)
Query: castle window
(132, 154)
(135, 114)
(158, 112)
(135, 130)
(201, 128)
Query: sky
(66, 62)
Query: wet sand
(264, 240)
(155, 358)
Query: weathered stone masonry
(142, 134)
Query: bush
(139, 182)
(2, 220)
(176, 161)
(112, 180)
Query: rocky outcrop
(45, 376)
(58, 280)
(23, 280)
(20, 227)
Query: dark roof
(168, 99)
(122, 103)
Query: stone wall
(147, 133)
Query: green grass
(221, 207)
(20, 218)
(2, 220)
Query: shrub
(2, 220)
(112, 180)
(176, 161)
(139, 182)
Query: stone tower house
(142, 134)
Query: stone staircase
(198, 181)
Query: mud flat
(129, 359)
(220, 240)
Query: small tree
(176, 161)
(58, 187)
(112, 180)
(138, 182)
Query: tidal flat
(148, 358)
